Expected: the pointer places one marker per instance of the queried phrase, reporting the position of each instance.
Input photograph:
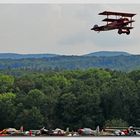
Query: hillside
(45, 55)
(123, 63)
(108, 53)
(21, 56)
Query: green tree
(7, 110)
(89, 111)
(6, 83)
(66, 111)
(30, 119)
(116, 123)
(24, 84)
(119, 99)
(35, 98)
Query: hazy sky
(63, 29)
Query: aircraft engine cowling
(95, 26)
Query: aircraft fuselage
(113, 25)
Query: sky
(64, 29)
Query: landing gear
(120, 31)
(128, 32)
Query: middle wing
(130, 21)
(112, 20)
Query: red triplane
(122, 22)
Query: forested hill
(46, 55)
(121, 62)
(21, 56)
(108, 53)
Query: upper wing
(117, 13)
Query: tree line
(72, 98)
(73, 63)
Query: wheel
(119, 31)
(128, 32)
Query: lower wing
(125, 27)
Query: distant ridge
(97, 54)
(20, 56)
(119, 61)
(108, 53)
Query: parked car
(58, 132)
(86, 131)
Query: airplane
(122, 22)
